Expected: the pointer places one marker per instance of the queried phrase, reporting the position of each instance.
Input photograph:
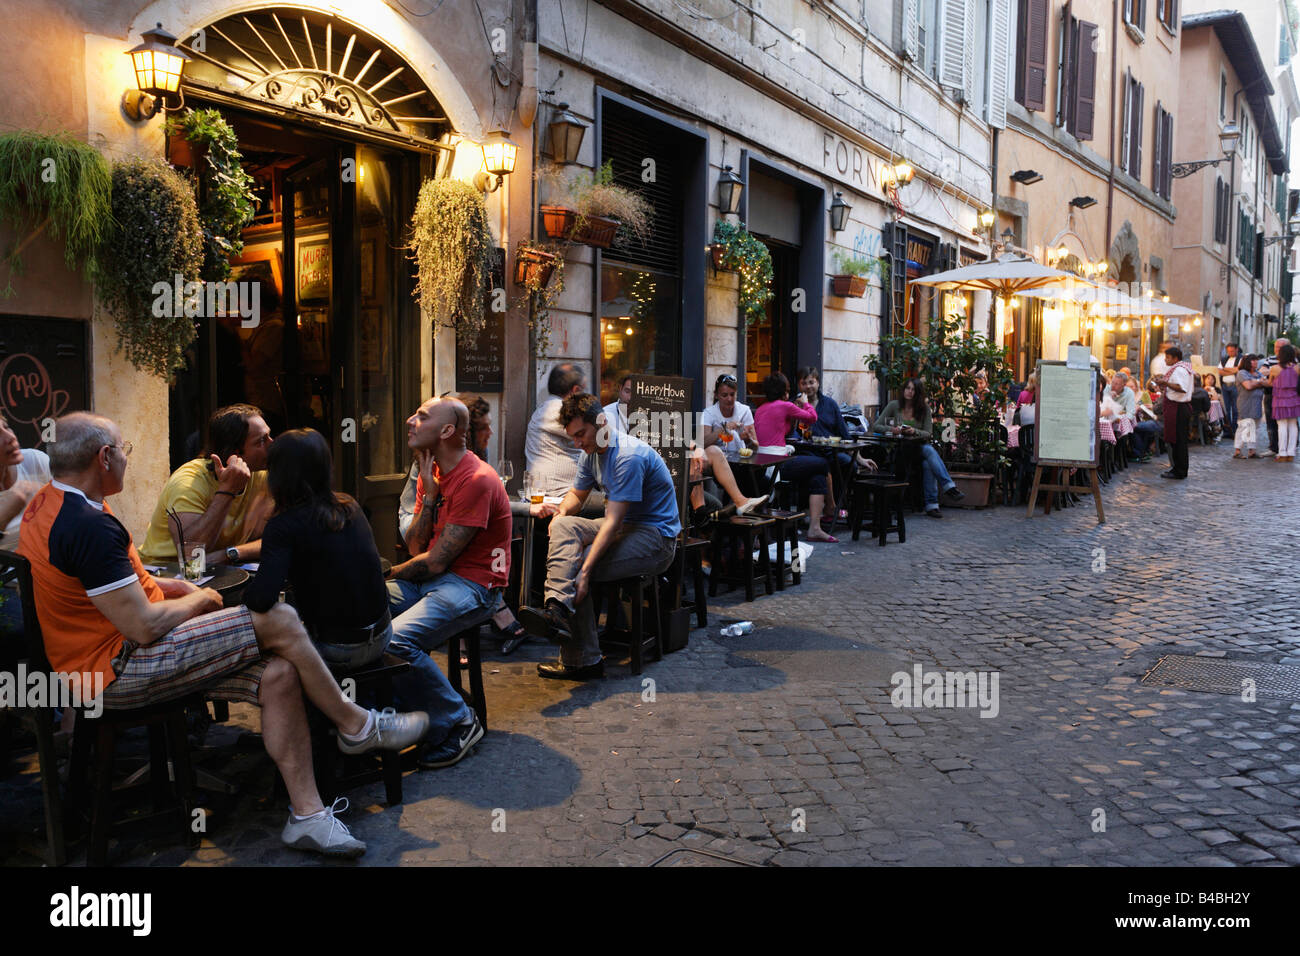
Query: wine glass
(506, 469)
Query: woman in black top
(319, 542)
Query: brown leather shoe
(558, 671)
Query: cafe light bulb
(1157, 321)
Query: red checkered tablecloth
(1123, 426)
(1107, 433)
(1013, 436)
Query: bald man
(460, 542)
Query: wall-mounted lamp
(1008, 239)
(1026, 177)
(839, 213)
(158, 67)
(987, 218)
(897, 174)
(566, 132)
(499, 155)
(730, 186)
(1228, 138)
(1083, 202)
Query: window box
(849, 286)
(558, 221)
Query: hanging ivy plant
(156, 237)
(53, 184)
(452, 245)
(544, 285)
(227, 202)
(742, 253)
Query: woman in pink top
(773, 420)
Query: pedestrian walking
(1249, 407)
(1286, 403)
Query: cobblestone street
(783, 747)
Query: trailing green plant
(849, 265)
(750, 257)
(597, 194)
(452, 246)
(227, 202)
(56, 184)
(156, 237)
(947, 362)
(544, 297)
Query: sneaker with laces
(323, 833)
(391, 731)
(458, 744)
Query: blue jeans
(425, 615)
(1144, 433)
(1229, 403)
(933, 475)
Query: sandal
(1238, 455)
(511, 637)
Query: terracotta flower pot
(974, 486)
(849, 286)
(558, 221)
(595, 231)
(533, 268)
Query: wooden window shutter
(911, 20)
(1036, 17)
(1135, 137)
(1086, 86)
(1158, 152)
(1168, 162)
(1001, 64)
(1126, 124)
(1065, 76)
(952, 44)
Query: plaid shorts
(215, 655)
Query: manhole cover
(1218, 676)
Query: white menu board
(1066, 431)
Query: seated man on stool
(460, 539)
(638, 535)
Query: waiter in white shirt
(1159, 365)
(1228, 380)
(1177, 383)
(616, 411)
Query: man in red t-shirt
(460, 539)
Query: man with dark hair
(1228, 381)
(220, 496)
(638, 534)
(144, 640)
(1178, 384)
(552, 458)
(460, 541)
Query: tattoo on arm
(417, 537)
(448, 546)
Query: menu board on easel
(659, 412)
(481, 357)
(1066, 431)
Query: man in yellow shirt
(221, 497)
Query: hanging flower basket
(533, 267)
(558, 221)
(718, 256)
(849, 286)
(595, 231)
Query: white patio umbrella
(1005, 276)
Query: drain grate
(1219, 676)
(685, 856)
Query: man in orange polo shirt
(155, 640)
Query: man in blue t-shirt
(638, 534)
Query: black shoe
(954, 494)
(933, 513)
(511, 637)
(458, 744)
(1171, 474)
(551, 621)
(558, 671)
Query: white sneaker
(391, 731)
(750, 504)
(324, 833)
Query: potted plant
(970, 432)
(227, 202)
(742, 253)
(452, 244)
(539, 271)
(598, 210)
(53, 184)
(850, 279)
(156, 236)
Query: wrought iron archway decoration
(261, 56)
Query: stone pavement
(783, 746)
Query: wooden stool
(637, 637)
(786, 531)
(470, 635)
(693, 556)
(332, 775)
(748, 532)
(885, 498)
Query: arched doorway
(337, 130)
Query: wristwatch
(232, 555)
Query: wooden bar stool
(476, 698)
(639, 635)
(338, 772)
(746, 533)
(786, 532)
(886, 500)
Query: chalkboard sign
(481, 361)
(43, 373)
(660, 413)
(1066, 431)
